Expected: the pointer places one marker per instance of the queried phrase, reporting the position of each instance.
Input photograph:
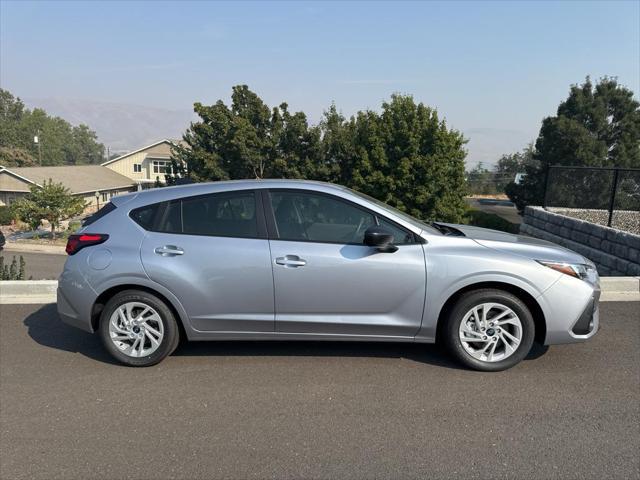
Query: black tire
(465, 304)
(171, 332)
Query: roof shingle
(77, 178)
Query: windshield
(408, 218)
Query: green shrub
(14, 270)
(6, 216)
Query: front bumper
(572, 313)
(588, 321)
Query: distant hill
(121, 127)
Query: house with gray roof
(148, 165)
(94, 183)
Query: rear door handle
(291, 261)
(169, 251)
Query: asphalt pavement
(38, 266)
(315, 410)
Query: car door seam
(426, 285)
(273, 284)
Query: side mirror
(380, 238)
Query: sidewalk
(34, 247)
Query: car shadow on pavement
(418, 352)
(423, 353)
(45, 328)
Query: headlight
(583, 271)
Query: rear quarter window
(107, 208)
(164, 217)
(145, 216)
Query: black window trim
(106, 209)
(162, 209)
(272, 227)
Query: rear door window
(232, 214)
(226, 215)
(169, 218)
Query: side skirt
(309, 337)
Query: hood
(533, 248)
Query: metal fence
(606, 190)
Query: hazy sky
(484, 65)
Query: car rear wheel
(489, 330)
(138, 329)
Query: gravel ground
(627, 221)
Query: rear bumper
(75, 298)
(69, 315)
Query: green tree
(513, 163)
(60, 142)
(595, 126)
(296, 145)
(52, 202)
(201, 155)
(85, 147)
(27, 211)
(246, 140)
(249, 143)
(336, 153)
(11, 114)
(409, 158)
(405, 156)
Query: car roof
(167, 193)
(156, 195)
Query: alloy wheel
(136, 329)
(490, 332)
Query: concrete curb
(19, 247)
(27, 291)
(620, 289)
(614, 289)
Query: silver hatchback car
(300, 260)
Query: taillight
(75, 243)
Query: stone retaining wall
(614, 252)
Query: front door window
(302, 216)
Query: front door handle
(169, 251)
(291, 261)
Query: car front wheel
(489, 330)
(138, 329)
